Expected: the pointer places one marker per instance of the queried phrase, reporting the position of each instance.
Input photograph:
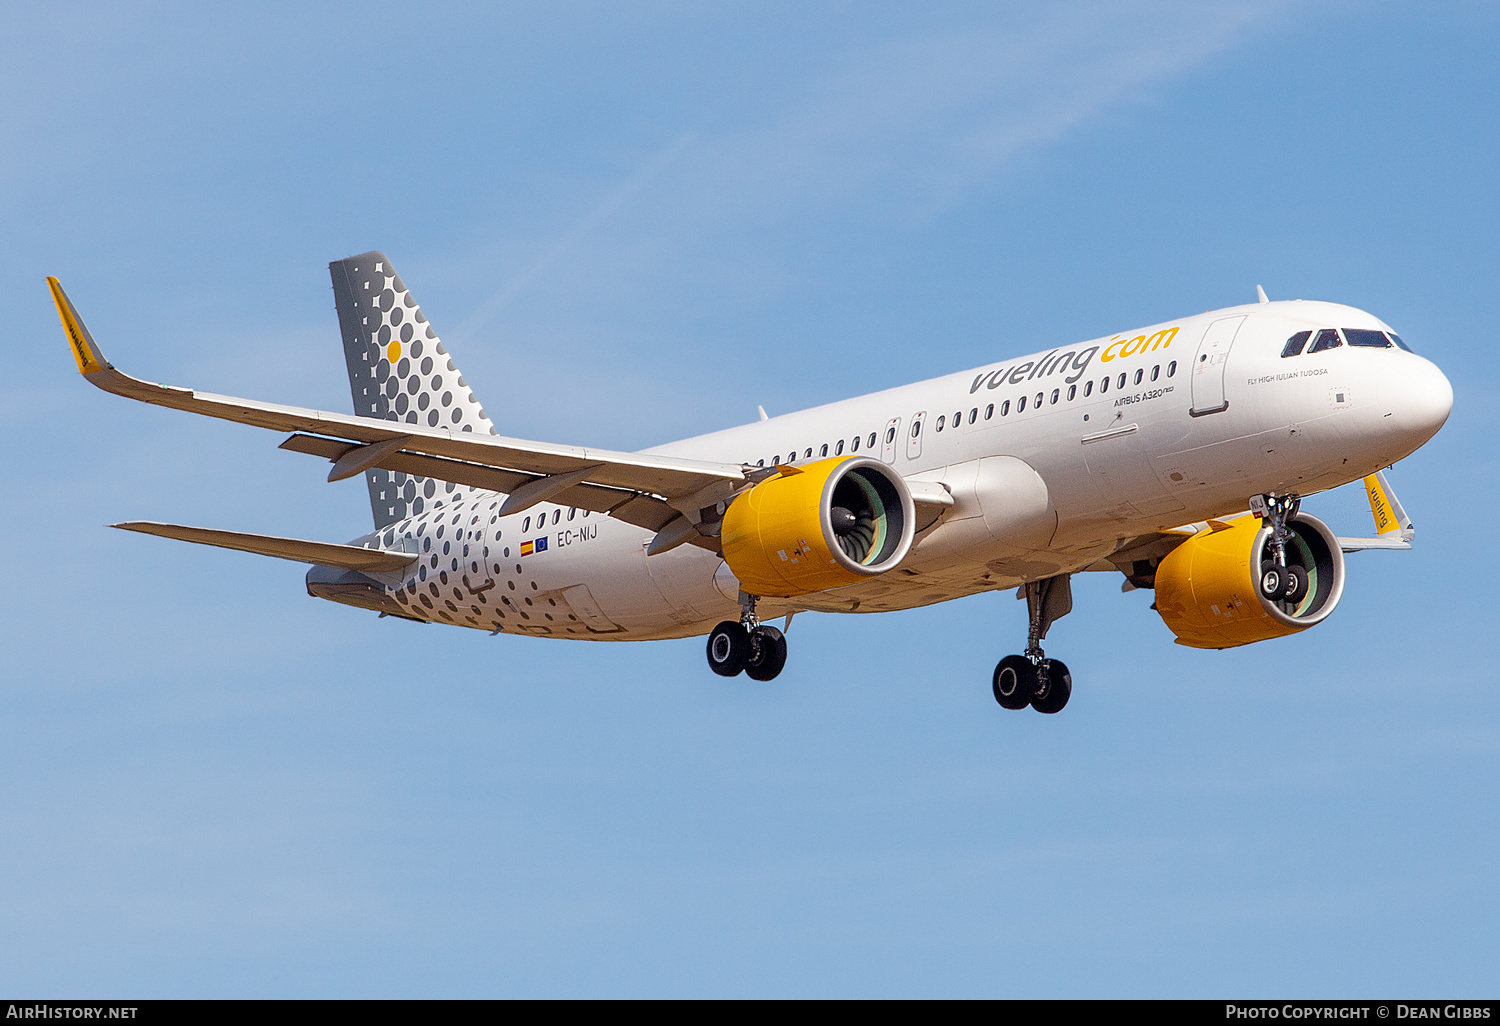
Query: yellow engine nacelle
(819, 526)
(1206, 588)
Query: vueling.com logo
(1076, 361)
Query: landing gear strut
(1278, 581)
(756, 649)
(1033, 679)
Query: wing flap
(344, 557)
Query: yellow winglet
(1389, 516)
(87, 354)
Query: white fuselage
(1118, 437)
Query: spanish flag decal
(529, 547)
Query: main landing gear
(753, 647)
(1278, 581)
(1033, 679)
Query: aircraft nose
(1424, 398)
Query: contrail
(521, 282)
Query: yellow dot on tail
(393, 351)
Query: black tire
(1055, 692)
(728, 648)
(1014, 682)
(1272, 582)
(1296, 584)
(767, 654)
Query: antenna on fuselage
(1261, 294)
(762, 411)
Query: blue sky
(632, 224)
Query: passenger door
(1209, 365)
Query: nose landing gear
(1033, 679)
(749, 646)
(1278, 581)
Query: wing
(344, 557)
(649, 491)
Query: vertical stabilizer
(398, 370)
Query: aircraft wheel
(1056, 690)
(1014, 682)
(728, 648)
(1272, 581)
(1296, 584)
(767, 653)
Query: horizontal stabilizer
(344, 557)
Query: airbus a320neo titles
(1175, 454)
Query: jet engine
(1208, 588)
(819, 526)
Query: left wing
(649, 491)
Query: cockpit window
(1397, 339)
(1327, 339)
(1366, 337)
(1295, 343)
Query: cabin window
(1088, 389)
(807, 455)
(823, 451)
(557, 514)
(890, 436)
(1056, 395)
(1072, 391)
(1104, 386)
(1038, 403)
(973, 415)
(1295, 344)
(572, 512)
(1121, 382)
(1005, 408)
(838, 450)
(526, 525)
(1139, 375)
(958, 418)
(871, 441)
(916, 428)
(940, 423)
(791, 457)
(1021, 405)
(989, 411)
(1156, 372)
(1171, 368)
(775, 461)
(854, 445)
(1327, 338)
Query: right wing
(344, 557)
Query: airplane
(1176, 455)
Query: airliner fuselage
(1054, 459)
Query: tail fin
(398, 370)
